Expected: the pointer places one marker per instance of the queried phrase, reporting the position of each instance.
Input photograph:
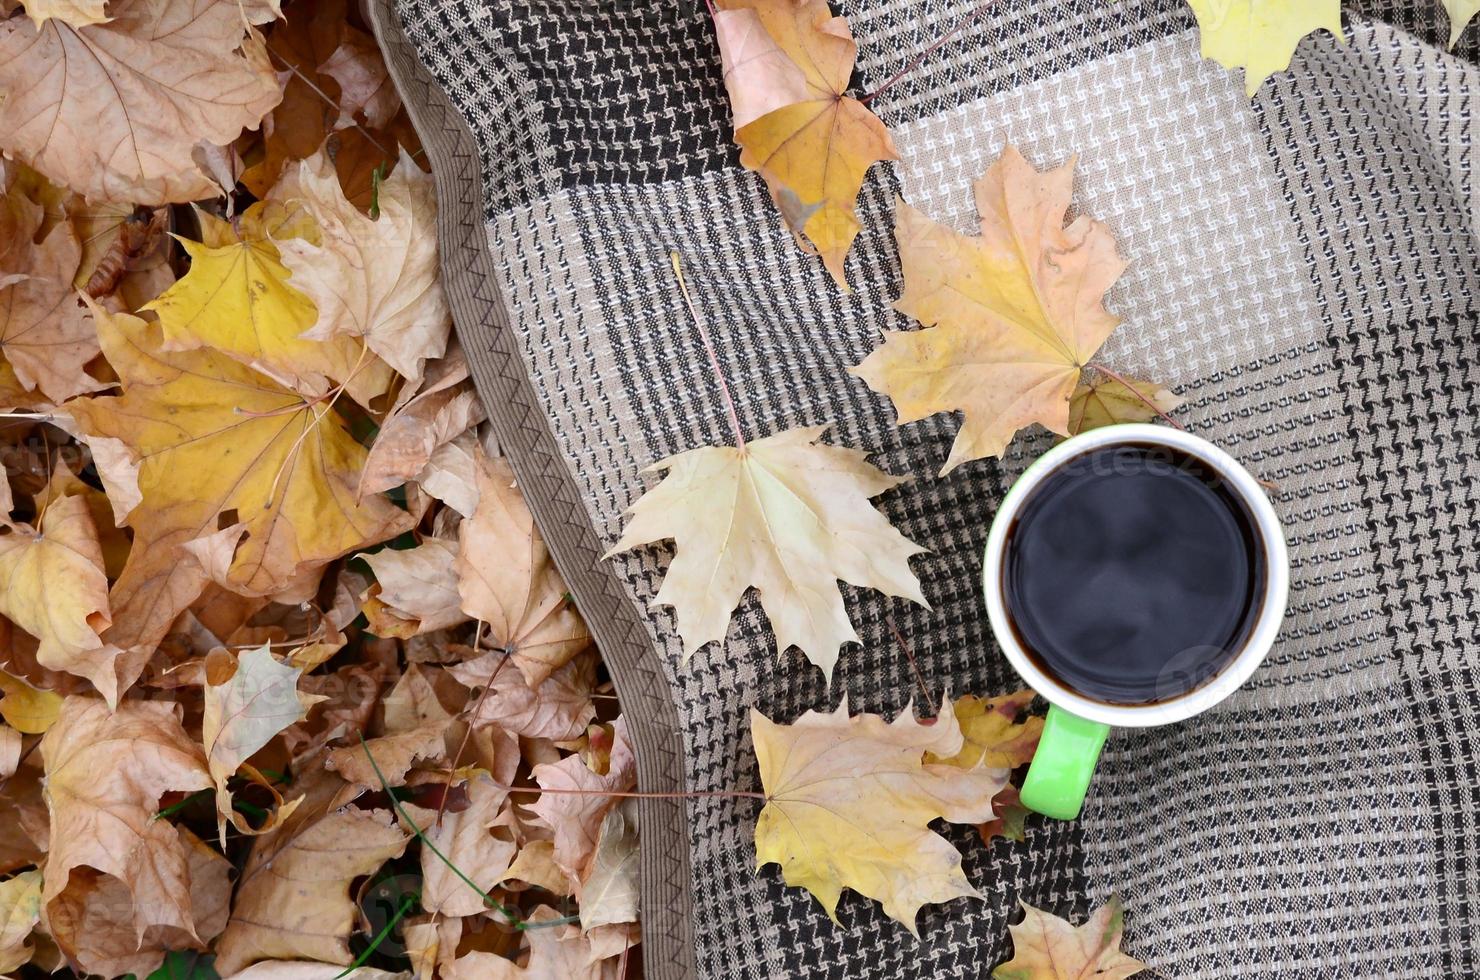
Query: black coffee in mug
(1132, 575)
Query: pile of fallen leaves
(286, 666)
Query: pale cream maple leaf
(1261, 36)
(784, 515)
(1046, 947)
(243, 711)
(849, 801)
(74, 13)
(114, 110)
(375, 278)
(1461, 12)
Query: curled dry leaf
(1012, 316)
(237, 299)
(417, 426)
(20, 910)
(105, 772)
(1046, 947)
(219, 438)
(52, 585)
(86, 924)
(507, 579)
(555, 953)
(293, 899)
(243, 711)
(1260, 36)
(375, 279)
(281, 970)
(113, 110)
(365, 88)
(849, 802)
(575, 816)
(558, 708)
(787, 65)
(394, 756)
(785, 516)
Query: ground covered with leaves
(291, 684)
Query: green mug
(1077, 725)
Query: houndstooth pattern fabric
(1303, 269)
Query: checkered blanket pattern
(1303, 269)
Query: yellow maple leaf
(20, 910)
(214, 440)
(1260, 36)
(25, 708)
(52, 585)
(1013, 315)
(787, 65)
(76, 13)
(991, 734)
(785, 516)
(237, 299)
(1106, 401)
(243, 711)
(849, 802)
(1046, 947)
(1461, 12)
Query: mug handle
(1067, 752)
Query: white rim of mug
(1256, 647)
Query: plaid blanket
(1303, 268)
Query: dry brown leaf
(1046, 947)
(52, 585)
(787, 66)
(1012, 316)
(994, 737)
(281, 970)
(558, 708)
(10, 751)
(46, 335)
(535, 865)
(414, 430)
(114, 110)
(293, 900)
(220, 439)
(467, 840)
(105, 773)
(430, 941)
(92, 920)
(366, 92)
(555, 953)
(419, 583)
(394, 756)
(785, 516)
(849, 802)
(451, 473)
(376, 279)
(508, 580)
(24, 815)
(26, 708)
(243, 711)
(575, 817)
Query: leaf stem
(724, 388)
(472, 717)
(1113, 376)
(966, 22)
(910, 655)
